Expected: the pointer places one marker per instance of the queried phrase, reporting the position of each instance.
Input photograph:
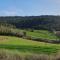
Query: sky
(29, 7)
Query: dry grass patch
(6, 55)
(2, 38)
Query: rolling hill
(24, 46)
(46, 22)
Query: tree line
(47, 22)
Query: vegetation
(46, 22)
(18, 48)
(36, 35)
(29, 38)
(8, 55)
(45, 34)
(24, 45)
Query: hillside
(29, 38)
(35, 22)
(14, 48)
(28, 46)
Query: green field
(27, 46)
(44, 34)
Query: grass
(9, 55)
(44, 34)
(14, 48)
(28, 46)
(24, 46)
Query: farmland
(23, 45)
(44, 34)
(30, 46)
(27, 49)
(28, 43)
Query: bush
(11, 32)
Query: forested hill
(36, 22)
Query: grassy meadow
(44, 34)
(25, 49)
(23, 45)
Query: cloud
(12, 12)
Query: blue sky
(29, 7)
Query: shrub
(24, 33)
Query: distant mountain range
(49, 22)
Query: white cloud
(12, 12)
